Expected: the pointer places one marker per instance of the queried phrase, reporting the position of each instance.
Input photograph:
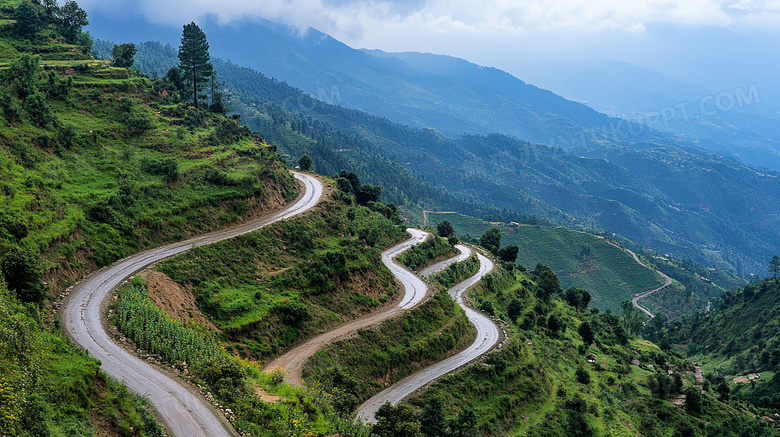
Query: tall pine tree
(194, 59)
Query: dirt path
(184, 412)
(415, 291)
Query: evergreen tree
(586, 332)
(305, 162)
(774, 266)
(398, 421)
(194, 59)
(491, 240)
(632, 318)
(23, 275)
(465, 425)
(445, 228)
(29, 20)
(508, 253)
(433, 422)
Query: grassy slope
(611, 275)
(273, 288)
(377, 356)
(80, 190)
(529, 386)
(92, 154)
(740, 335)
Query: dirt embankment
(177, 301)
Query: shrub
(582, 375)
(164, 167)
(37, 109)
(23, 275)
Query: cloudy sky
(708, 42)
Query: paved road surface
(464, 254)
(415, 291)
(635, 298)
(487, 337)
(185, 414)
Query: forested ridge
(675, 199)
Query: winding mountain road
(185, 413)
(487, 337)
(415, 291)
(635, 298)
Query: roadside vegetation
(97, 162)
(433, 249)
(566, 369)
(48, 387)
(271, 289)
(599, 265)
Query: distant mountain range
(590, 171)
(457, 97)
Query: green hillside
(95, 164)
(544, 380)
(599, 265)
(271, 289)
(739, 336)
(98, 162)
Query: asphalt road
(635, 298)
(487, 336)
(185, 414)
(415, 291)
(464, 254)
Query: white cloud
(492, 16)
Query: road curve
(464, 254)
(635, 298)
(415, 291)
(184, 413)
(487, 337)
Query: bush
(165, 167)
(37, 109)
(582, 375)
(292, 313)
(445, 228)
(23, 275)
(137, 124)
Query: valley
(426, 248)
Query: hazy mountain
(742, 120)
(454, 98)
(684, 201)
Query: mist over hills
(683, 201)
(455, 96)
(741, 119)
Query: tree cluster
(433, 421)
(34, 16)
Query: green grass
(529, 387)
(273, 288)
(579, 259)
